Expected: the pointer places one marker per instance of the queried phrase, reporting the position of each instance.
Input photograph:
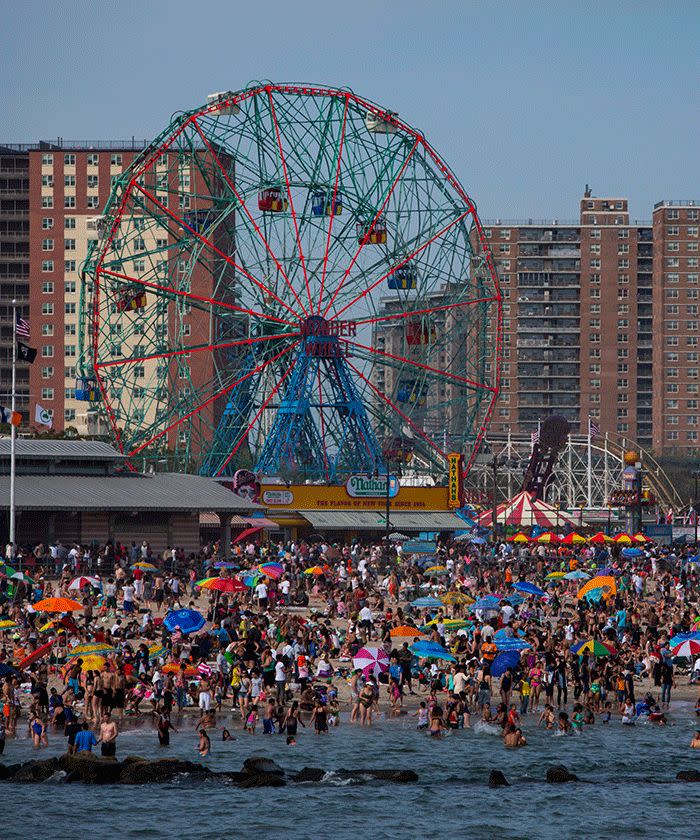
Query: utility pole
(13, 428)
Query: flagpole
(589, 500)
(13, 430)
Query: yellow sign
(454, 480)
(322, 497)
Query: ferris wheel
(289, 279)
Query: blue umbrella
(504, 634)
(631, 552)
(477, 541)
(530, 588)
(684, 637)
(431, 650)
(577, 574)
(505, 660)
(189, 621)
(488, 602)
(225, 564)
(427, 601)
(515, 600)
(511, 644)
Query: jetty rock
(558, 773)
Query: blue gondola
(86, 389)
(322, 201)
(405, 277)
(410, 391)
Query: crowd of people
(277, 652)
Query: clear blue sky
(527, 101)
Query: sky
(526, 101)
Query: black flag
(25, 352)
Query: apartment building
(577, 319)
(14, 264)
(676, 305)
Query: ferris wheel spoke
(333, 204)
(220, 393)
(191, 296)
(289, 194)
(396, 409)
(257, 416)
(412, 313)
(463, 380)
(249, 216)
(197, 348)
(368, 233)
(213, 247)
(402, 263)
(323, 422)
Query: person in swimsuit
(319, 718)
(108, 735)
(437, 724)
(292, 719)
(366, 702)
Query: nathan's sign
(364, 487)
(454, 480)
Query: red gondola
(271, 200)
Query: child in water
(252, 720)
(607, 712)
(547, 717)
(564, 725)
(422, 715)
(204, 745)
(436, 722)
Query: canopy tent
(524, 511)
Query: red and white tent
(524, 511)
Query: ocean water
(627, 788)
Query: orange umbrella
(640, 538)
(174, 668)
(573, 539)
(547, 537)
(57, 605)
(600, 538)
(405, 631)
(519, 538)
(623, 539)
(604, 582)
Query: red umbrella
(35, 655)
(247, 533)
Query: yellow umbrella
(91, 663)
(623, 539)
(457, 598)
(606, 583)
(7, 624)
(520, 538)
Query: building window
(623, 249)
(47, 160)
(47, 329)
(47, 180)
(594, 264)
(69, 329)
(672, 262)
(595, 248)
(47, 393)
(69, 202)
(47, 244)
(672, 388)
(70, 351)
(673, 246)
(69, 180)
(47, 308)
(69, 266)
(69, 287)
(69, 223)
(47, 287)
(69, 244)
(623, 263)
(69, 393)
(69, 160)
(673, 230)
(672, 277)
(92, 202)
(47, 223)
(68, 414)
(672, 309)
(47, 202)
(673, 214)
(115, 160)
(47, 351)
(595, 234)
(46, 372)
(93, 159)
(595, 293)
(92, 181)
(595, 278)
(70, 308)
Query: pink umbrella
(80, 582)
(371, 660)
(688, 648)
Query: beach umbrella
(622, 539)
(449, 623)
(604, 583)
(632, 552)
(397, 537)
(91, 649)
(221, 584)
(226, 564)
(189, 621)
(577, 574)
(679, 638)
(511, 644)
(371, 660)
(688, 648)
(23, 577)
(35, 655)
(426, 602)
(405, 631)
(592, 646)
(456, 598)
(477, 541)
(90, 663)
(174, 668)
(272, 570)
(573, 539)
(529, 588)
(57, 605)
(555, 575)
(549, 537)
(6, 570)
(145, 567)
(436, 571)
(431, 650)
(641, 538)
(316, 570)
(519, 538)
(503, 661)
(7, 624)
(488, 602)
(515, 599)
(80, 582)
(600, 538)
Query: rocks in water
(688, 776)
(162, 770)
(37, 771)
(7, 771)
(558, 773)
(309, 774)
(255, 780)
(260, 764)
(91, 769)
(497, 779)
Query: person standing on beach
(108, 735)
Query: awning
(350, 520)
(212, 520)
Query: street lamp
(696, 504)
(496, 462)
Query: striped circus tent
(524, 511)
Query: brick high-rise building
(676, 319)
(577, 320)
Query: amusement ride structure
(290, 279)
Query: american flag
(534, 437)
(204, 670)
(22, 326)
(593, 428)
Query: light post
(388, 510)
(696, 504)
